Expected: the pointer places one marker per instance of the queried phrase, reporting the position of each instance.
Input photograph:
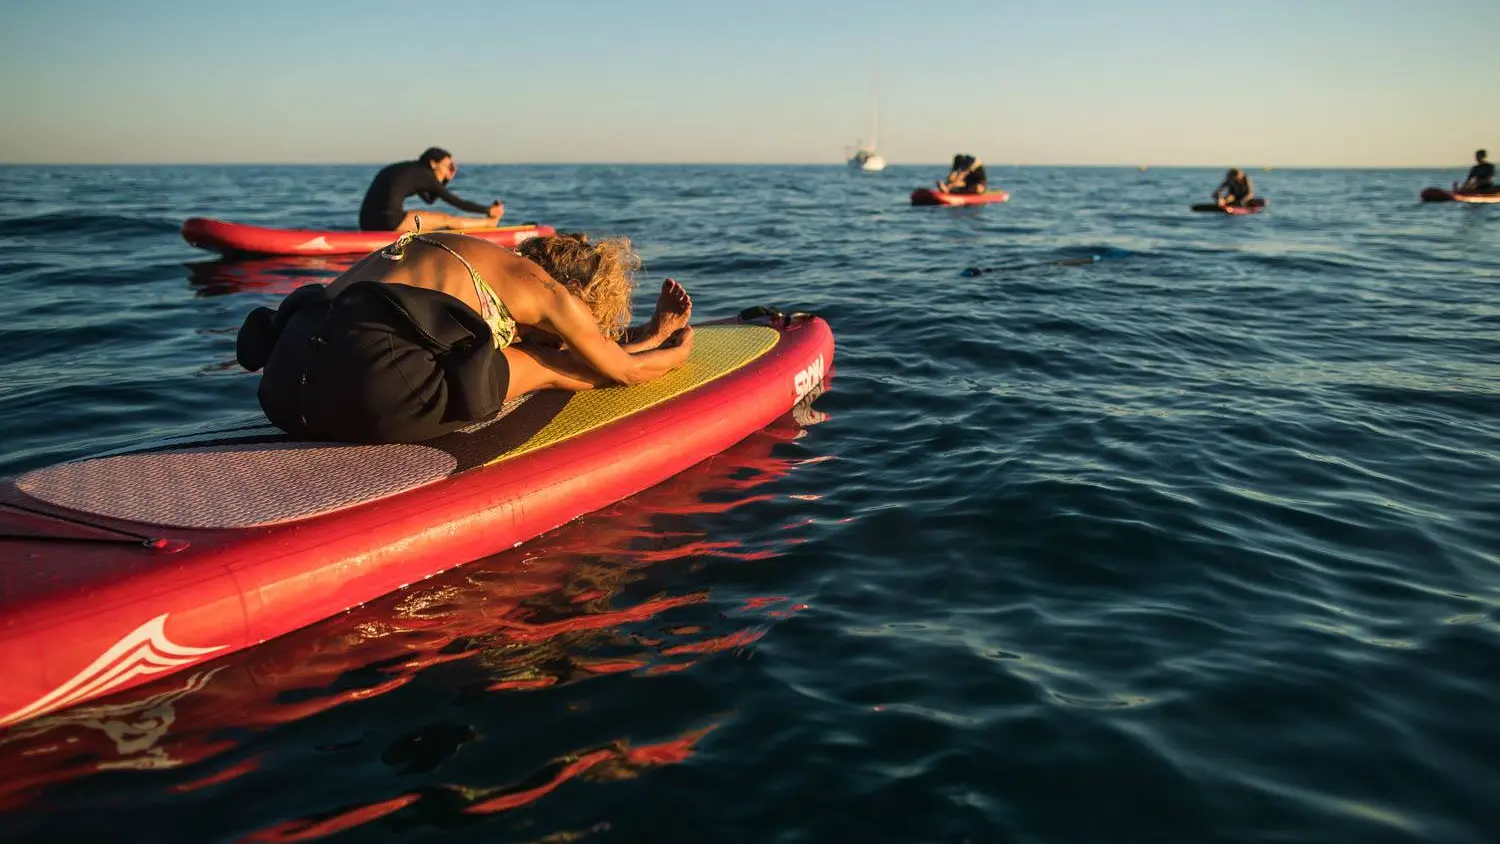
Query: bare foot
(674, 309)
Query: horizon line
(471, 163)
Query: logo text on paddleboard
(804, 381)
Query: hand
(497, 209)
(682, 338)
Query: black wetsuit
(1238, 189)
(382, 211)
(975, 181)
(1482, 176)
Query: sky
(1152, 82)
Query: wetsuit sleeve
(434, 190)
(464, 204)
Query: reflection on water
(1192, 542)
(569, 606)
(278, 275)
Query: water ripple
(1119, 523)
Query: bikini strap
(490, 305)
(397, 250)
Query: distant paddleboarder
(1481, 176)
(1235, 191)
(428, 178)
(967, 176)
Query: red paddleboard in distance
(1472, 197)
(928, 196)
(1254, 206)
(241, 239)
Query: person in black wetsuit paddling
(1235, 190)
(1481, 176)
(967, 176)
(427, 177)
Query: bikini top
(491, 308)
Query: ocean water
(1151, 527)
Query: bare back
(516, 280)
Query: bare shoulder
(527, 289)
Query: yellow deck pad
(717, 351)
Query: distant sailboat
(865, 158)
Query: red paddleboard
(928, 196)
(468, 615)
(126, 567)
(1475, 197)
(241, 239)
(1254, 206)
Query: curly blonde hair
(601, 274)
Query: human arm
(534, 368)
(640, 339)
(564, 315)
(492, 210)
(434, 190)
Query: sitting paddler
(1235, 190)
(427, 178)
(1481, 176)
(437, 331)
(967, 176)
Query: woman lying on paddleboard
(424, 336)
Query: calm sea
(1169, 527)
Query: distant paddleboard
(240, 239)
(928, 196)
(1474, 197)
(1254, 206)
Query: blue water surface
(1152, 527)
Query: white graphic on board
(317, 244)
(146, 650)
